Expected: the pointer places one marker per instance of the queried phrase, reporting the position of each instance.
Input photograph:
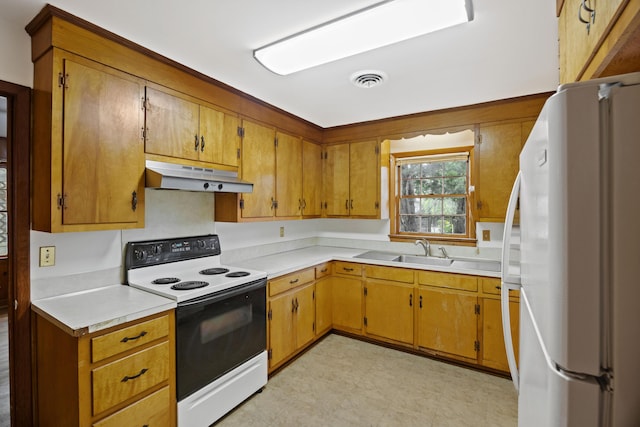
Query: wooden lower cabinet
(493, 353)
(102, 379)
(324, 309)
(448, 322)
(346, 302)
(389, 311)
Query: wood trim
(465, 117)
(19, 121)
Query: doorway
(17, 233)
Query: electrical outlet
(47, 256)
(281, 231)
(486, 235)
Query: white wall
(15, 54)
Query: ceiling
(509, 49)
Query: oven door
(217, 333)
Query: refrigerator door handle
(509, 282)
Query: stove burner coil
(237, 274)
(193, 284)
(213, 271)
(165, 281)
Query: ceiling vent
(368, 78)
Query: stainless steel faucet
(425, 244)
(444, 251)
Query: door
(389, 311)
(281, 333)
(259, 167)
(336, 180)
(493, 349)
(305, 316)
(289, 175)
(346, 300)
(100, 186)
(323, 305)
(311, 179)
(364, 184)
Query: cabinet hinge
(145, 104)
(479, 204)
(241, 203)
(275, 141)
(365, 291)
(270, 315)
(62, 80)
(479, 139)
(476, 345)
(377, 205)
(240, 131)
(313, 295)
(238, 153)
(377, 150)
(270, 354)
(314, 326)
(365, 321)
(62, 201)
(326, 155)
(477, 308)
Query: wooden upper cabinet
(364, 178)
(311, 179)
(582, 46)
(336, 180)
(259, 168)
(497, 162)
(288, 175)
(352, 179)
(171, 127)
(179, 127)
(88, 151)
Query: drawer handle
(347, 269)
(127, 339)
(127, 377)
(293, 281)
(498, 287)
(324, 270)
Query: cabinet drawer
(290, 281)
(348, 268)
(110, 344)
(448, 280)
(118, 381)
(323, 270)
(494, 287)
(389, 273)
(153, 410)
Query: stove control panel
(154, 252)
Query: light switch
(47, 256)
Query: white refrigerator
(578, 192)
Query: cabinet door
(336, 180)
(389, 311)
(448, 322)
(289, 175)
(103, 163)
(497, 157)
(258, 167)
(211, 135)
(305, 316)
(323, 305)
(346, 298)
(493, 349)
(311, 179)
(281, 333)
(229, 147)
(364, 182)
(171, 126)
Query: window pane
(432, 169)
(432, 186)
(454, 225)
(410, 171)
(410, 223)
(431, 224)
(457, 185)
(455, 168)
(431, 206)
(410, 187)
(409, 206)
(454, 206)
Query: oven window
(218, 334)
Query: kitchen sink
(478, 265)
(421, 259)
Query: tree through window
(433, 194)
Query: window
(432, 195)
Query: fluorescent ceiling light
(376, 26)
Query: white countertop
(286, 262)
(79, 313)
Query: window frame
(469, 238)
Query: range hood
(192, 178)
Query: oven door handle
(227, 293)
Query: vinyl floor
(347, 382)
